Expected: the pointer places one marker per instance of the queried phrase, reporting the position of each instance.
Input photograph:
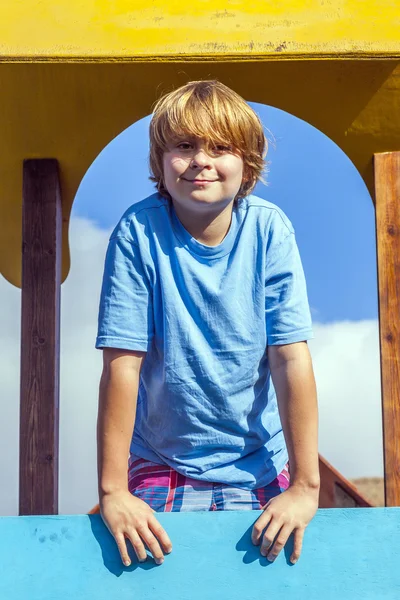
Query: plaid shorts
(166, 490)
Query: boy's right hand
(129, 517)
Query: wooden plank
(336, 491)
(387, 208)
(63, 557)
(40, 339)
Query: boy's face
(199, 179)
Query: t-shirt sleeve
(288, 318)
(126, 308)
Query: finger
(269, 536)
(160, 534)
(280, 542)
(119, 538)
(259, 526)
(297, 546)
(137, 544)
(267, 504)
(152, 543)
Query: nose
(200, 159)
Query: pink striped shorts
(166, 490)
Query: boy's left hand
(289, 512)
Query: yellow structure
(74, 74)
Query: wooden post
(387, 205)
(40, 339)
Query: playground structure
(74, 75)
(213, 557)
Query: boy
(203, 315)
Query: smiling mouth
(199, 180)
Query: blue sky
(309, 177)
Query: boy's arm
(291, 511)
(293, 379)
(125, 515)
(116, 417)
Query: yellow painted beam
(161, 29)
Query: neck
(208, 229)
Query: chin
(205, 200)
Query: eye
(184, 146)
(222, 148)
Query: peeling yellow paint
(126, 29)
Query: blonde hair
(211, 111)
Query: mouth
(199, 181)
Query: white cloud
(346, 360)
(81, 367)
(10, 327)
(346, 363)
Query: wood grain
(387, 210)
(40, 339)
(336, 491)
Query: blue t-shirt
(205, 315)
